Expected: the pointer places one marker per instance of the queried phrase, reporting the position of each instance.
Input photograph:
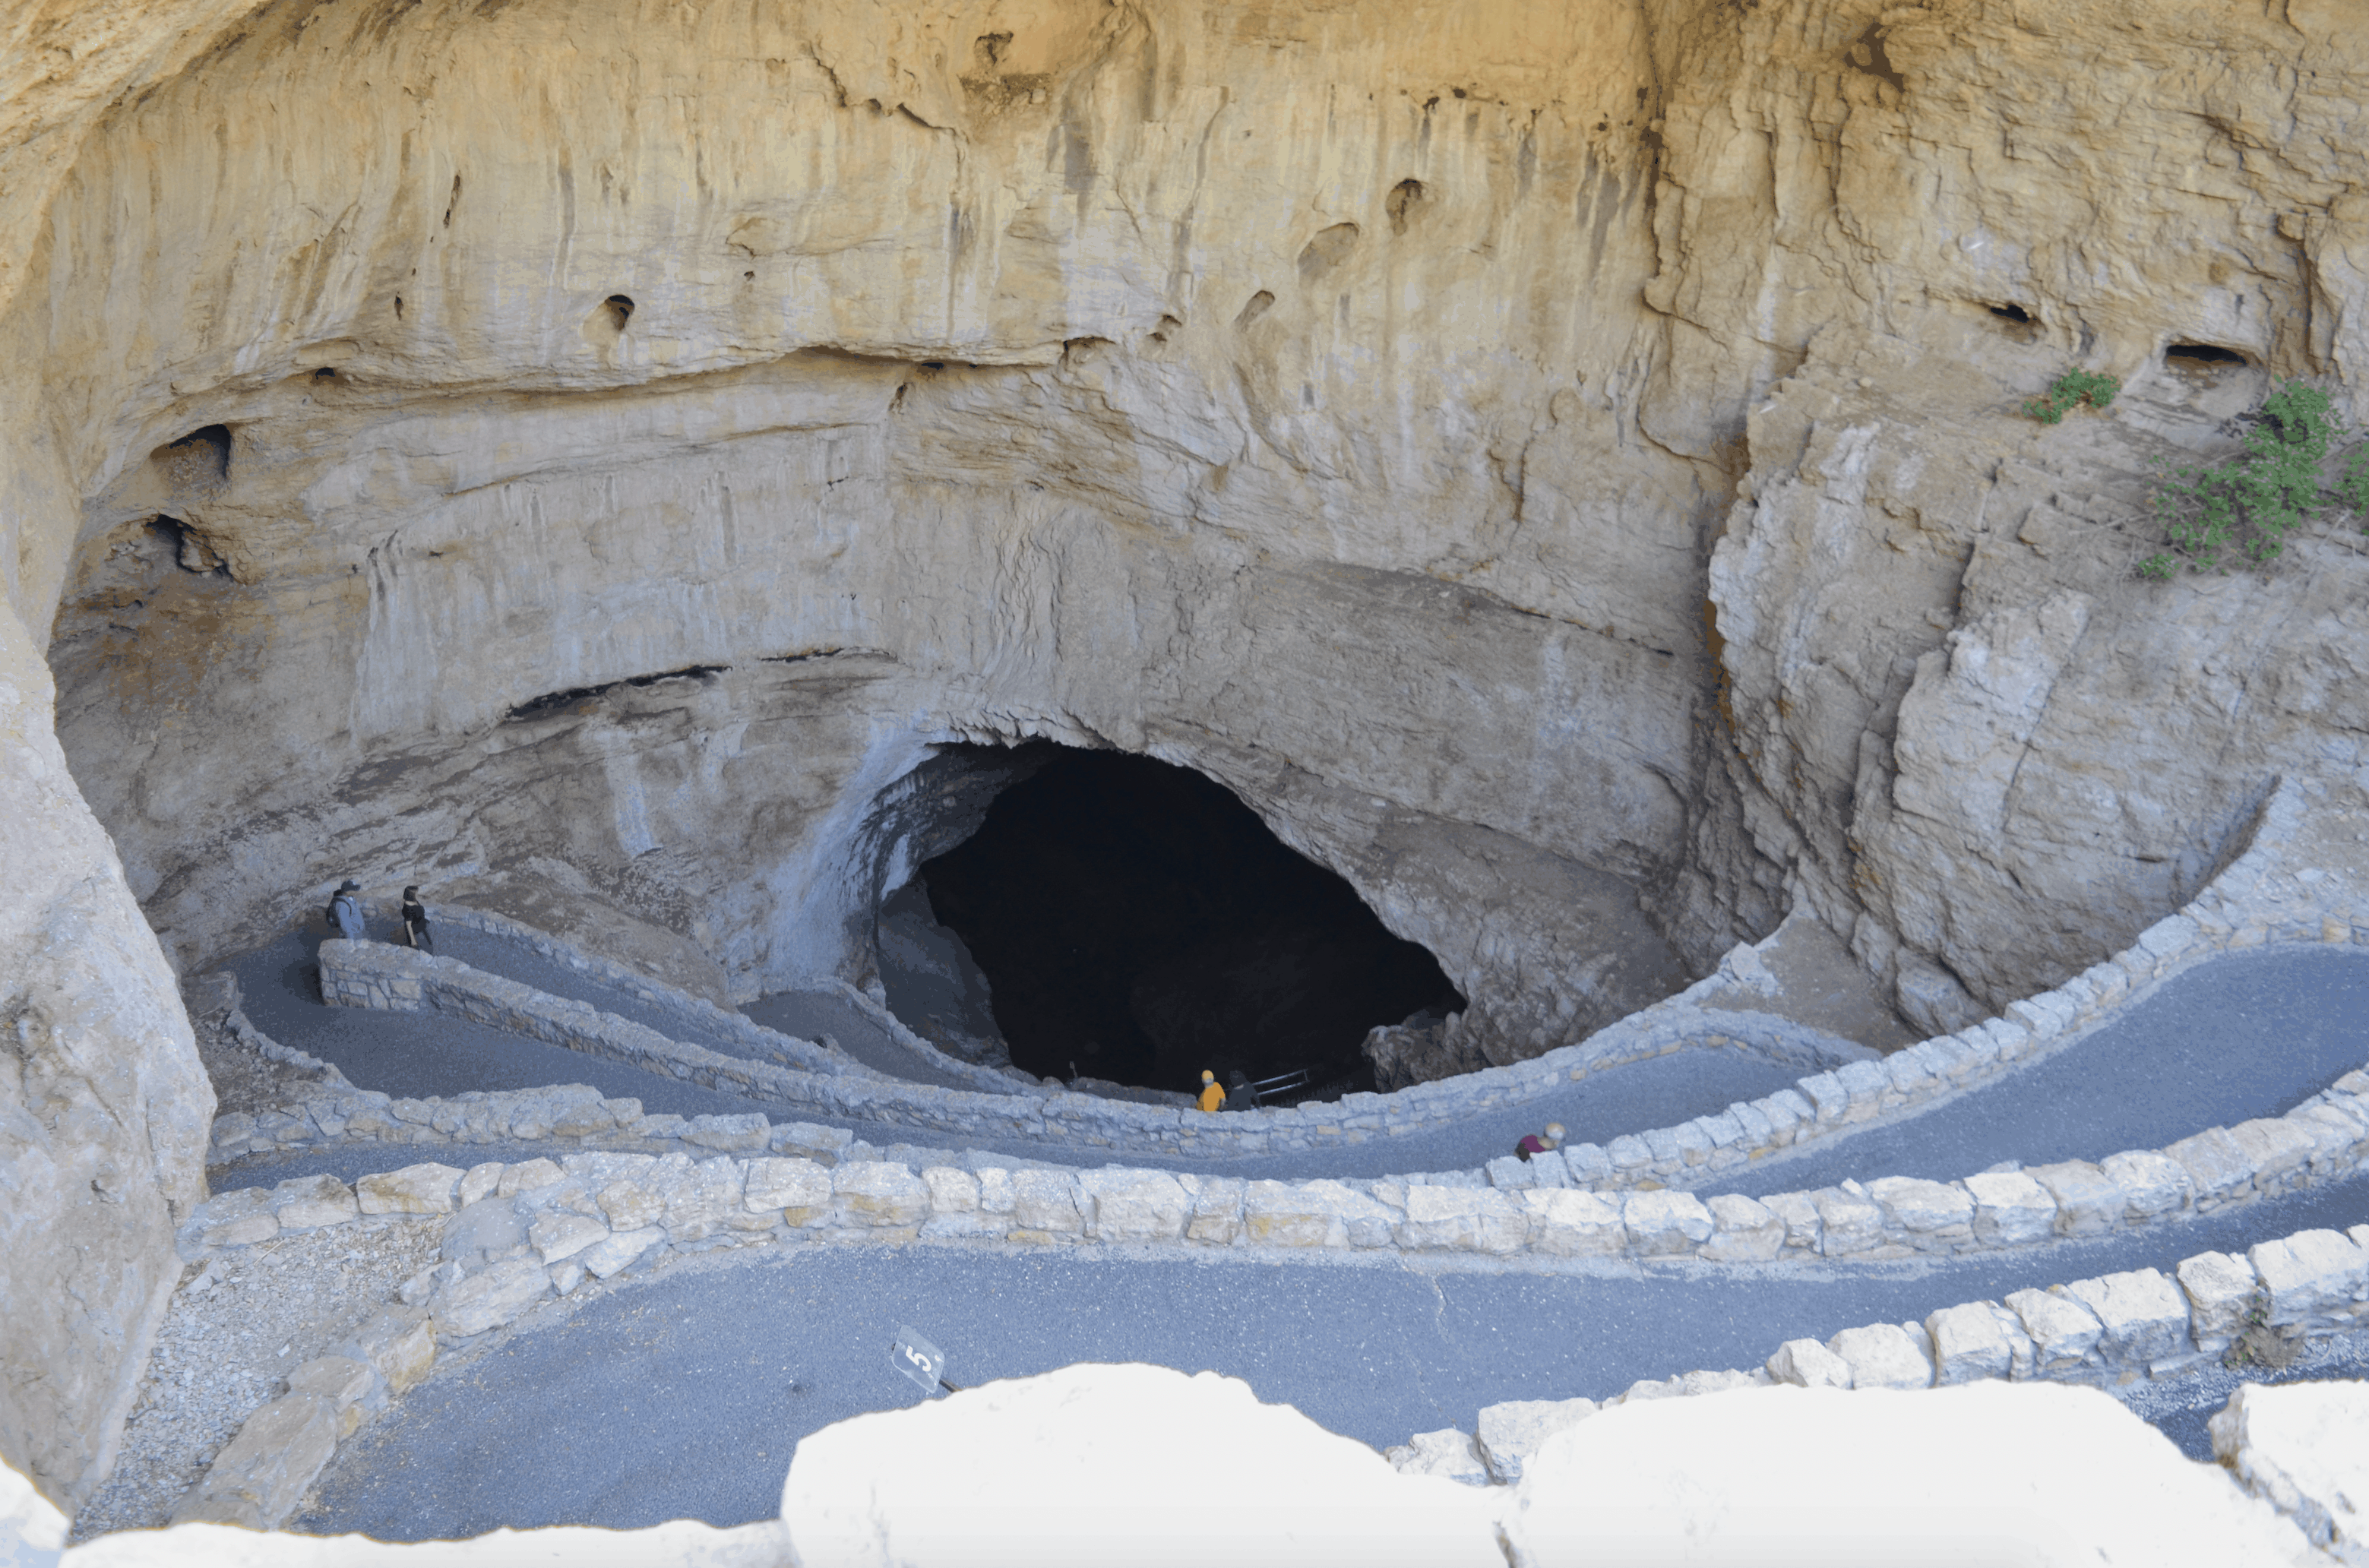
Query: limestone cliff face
(1119, 376)
(1557, 463)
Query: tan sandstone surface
(1558, 465)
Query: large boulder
(1096, 1465)
(2037, 1473)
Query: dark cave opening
(1137, 924)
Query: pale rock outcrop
(2304, 1447)
(1769, 1475)
(103, 1107)
(966, 1479)
(1507, 1434)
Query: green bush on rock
(2245, 507)
(2068, 392)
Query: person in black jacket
(415, 921)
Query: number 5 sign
(920, 1360)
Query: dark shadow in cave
(1135, 918)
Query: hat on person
(350, 885)
(1207, 1077)
(1554, 1132)
(408, 892)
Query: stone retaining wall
(804, 1183)
(2109, 1331)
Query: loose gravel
(236, 1327)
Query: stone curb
(841, 1192)
(2107, 1331)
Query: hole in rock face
(1404, 199)
(1327, 250)
(189, 549)
(198, 460)
(1135, 918)
(2201, 356)
(2016, 314)
(620, 310)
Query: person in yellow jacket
(1212, 1097)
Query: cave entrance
(1136, 923)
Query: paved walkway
(425, 1053)
(685, 1397)
(2250, 1035)
(2246, 1036)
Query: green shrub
(2243, 509)
(2068, 392)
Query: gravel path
(684, 1396)
(235, 1330)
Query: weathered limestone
(1134, 1205)
(1883, 1356)
(1807, 1364)
(426, 1188)
(2010, 1208)
(2063, 1331)
(800, 1189)
(2219, 1287)
(1968, 1344)
(884, 1195)
(2313, 1275)
(2301, 1447)
(487, 1300)
(1660, 1223)
(1974, 735)
(1465, 1219)
(2142, 1316)
(1509, 1433)
(258, 1477)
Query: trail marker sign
(918, 1359)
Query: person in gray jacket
(346, 911)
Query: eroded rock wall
(1984, 752)
(1126, 381)
(1542, 457)
(104, 1114)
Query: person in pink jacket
(1545, 1142)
